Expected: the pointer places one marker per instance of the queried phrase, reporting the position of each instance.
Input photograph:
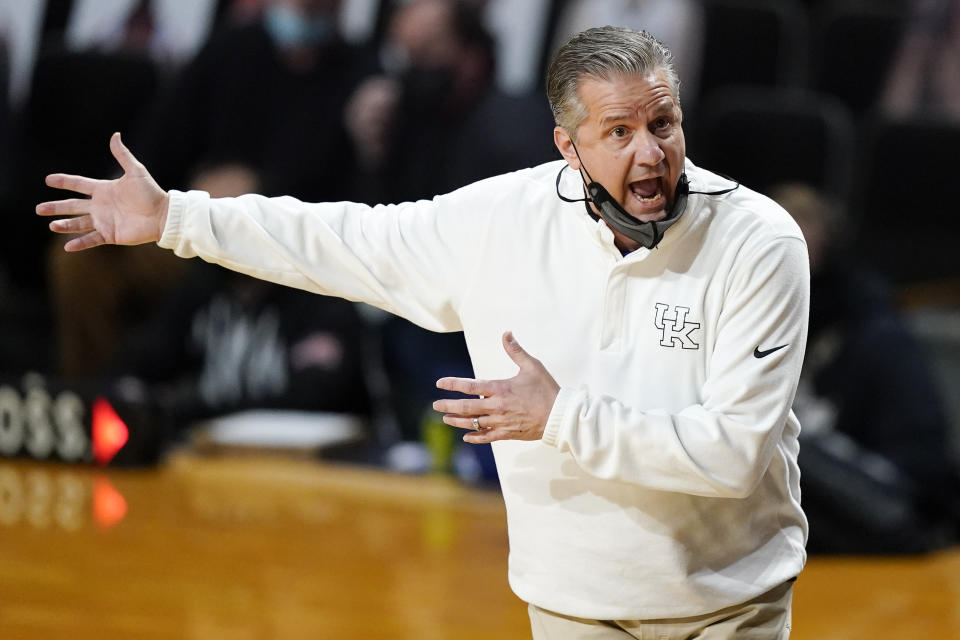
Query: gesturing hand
(514, 409)
(129, 210)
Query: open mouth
(648, 191)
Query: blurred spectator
(432, 122)
(678, 23)
(66, 100)
(263, 99)
(878, 473)
(225, 342)
(268, 95)
(925, 76)
(171, 31)
(84, 68)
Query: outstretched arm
(129, 210)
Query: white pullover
(666, 482)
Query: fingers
(72, 183)
(484, 431)
(484, 437)
(127, 161)
(80, 224)
(88, 241)
(515, 351)
(69, 207)
(469, 386)
(86, 186)
(465, 406)
(466, 422)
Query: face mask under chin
(646, 234)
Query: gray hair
(601, 53)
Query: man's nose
(647, 151)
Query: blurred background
(845, 112)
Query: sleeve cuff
(180, 203)
(551, 432)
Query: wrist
(551, 430)
(162, 209)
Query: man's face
(631, 141)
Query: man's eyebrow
(664, 105)
(615, 117)
(661, 107)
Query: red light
(109, 505)
(109, 432)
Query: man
(648, 462)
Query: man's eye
(661, 123)
(619, 132)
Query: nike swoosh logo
(763, 354)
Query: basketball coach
(643, 434)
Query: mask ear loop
(720, 192)
(582, 166)
(585, 198)
(565, 198)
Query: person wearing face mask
(433, 120)
(266, 95)
(643, 434)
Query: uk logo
(674, 327)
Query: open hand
(514, 409)
(129, 210)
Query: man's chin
(649, 216)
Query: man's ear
(565, 145)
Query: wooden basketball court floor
(255, 547)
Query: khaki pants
(766, 617)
